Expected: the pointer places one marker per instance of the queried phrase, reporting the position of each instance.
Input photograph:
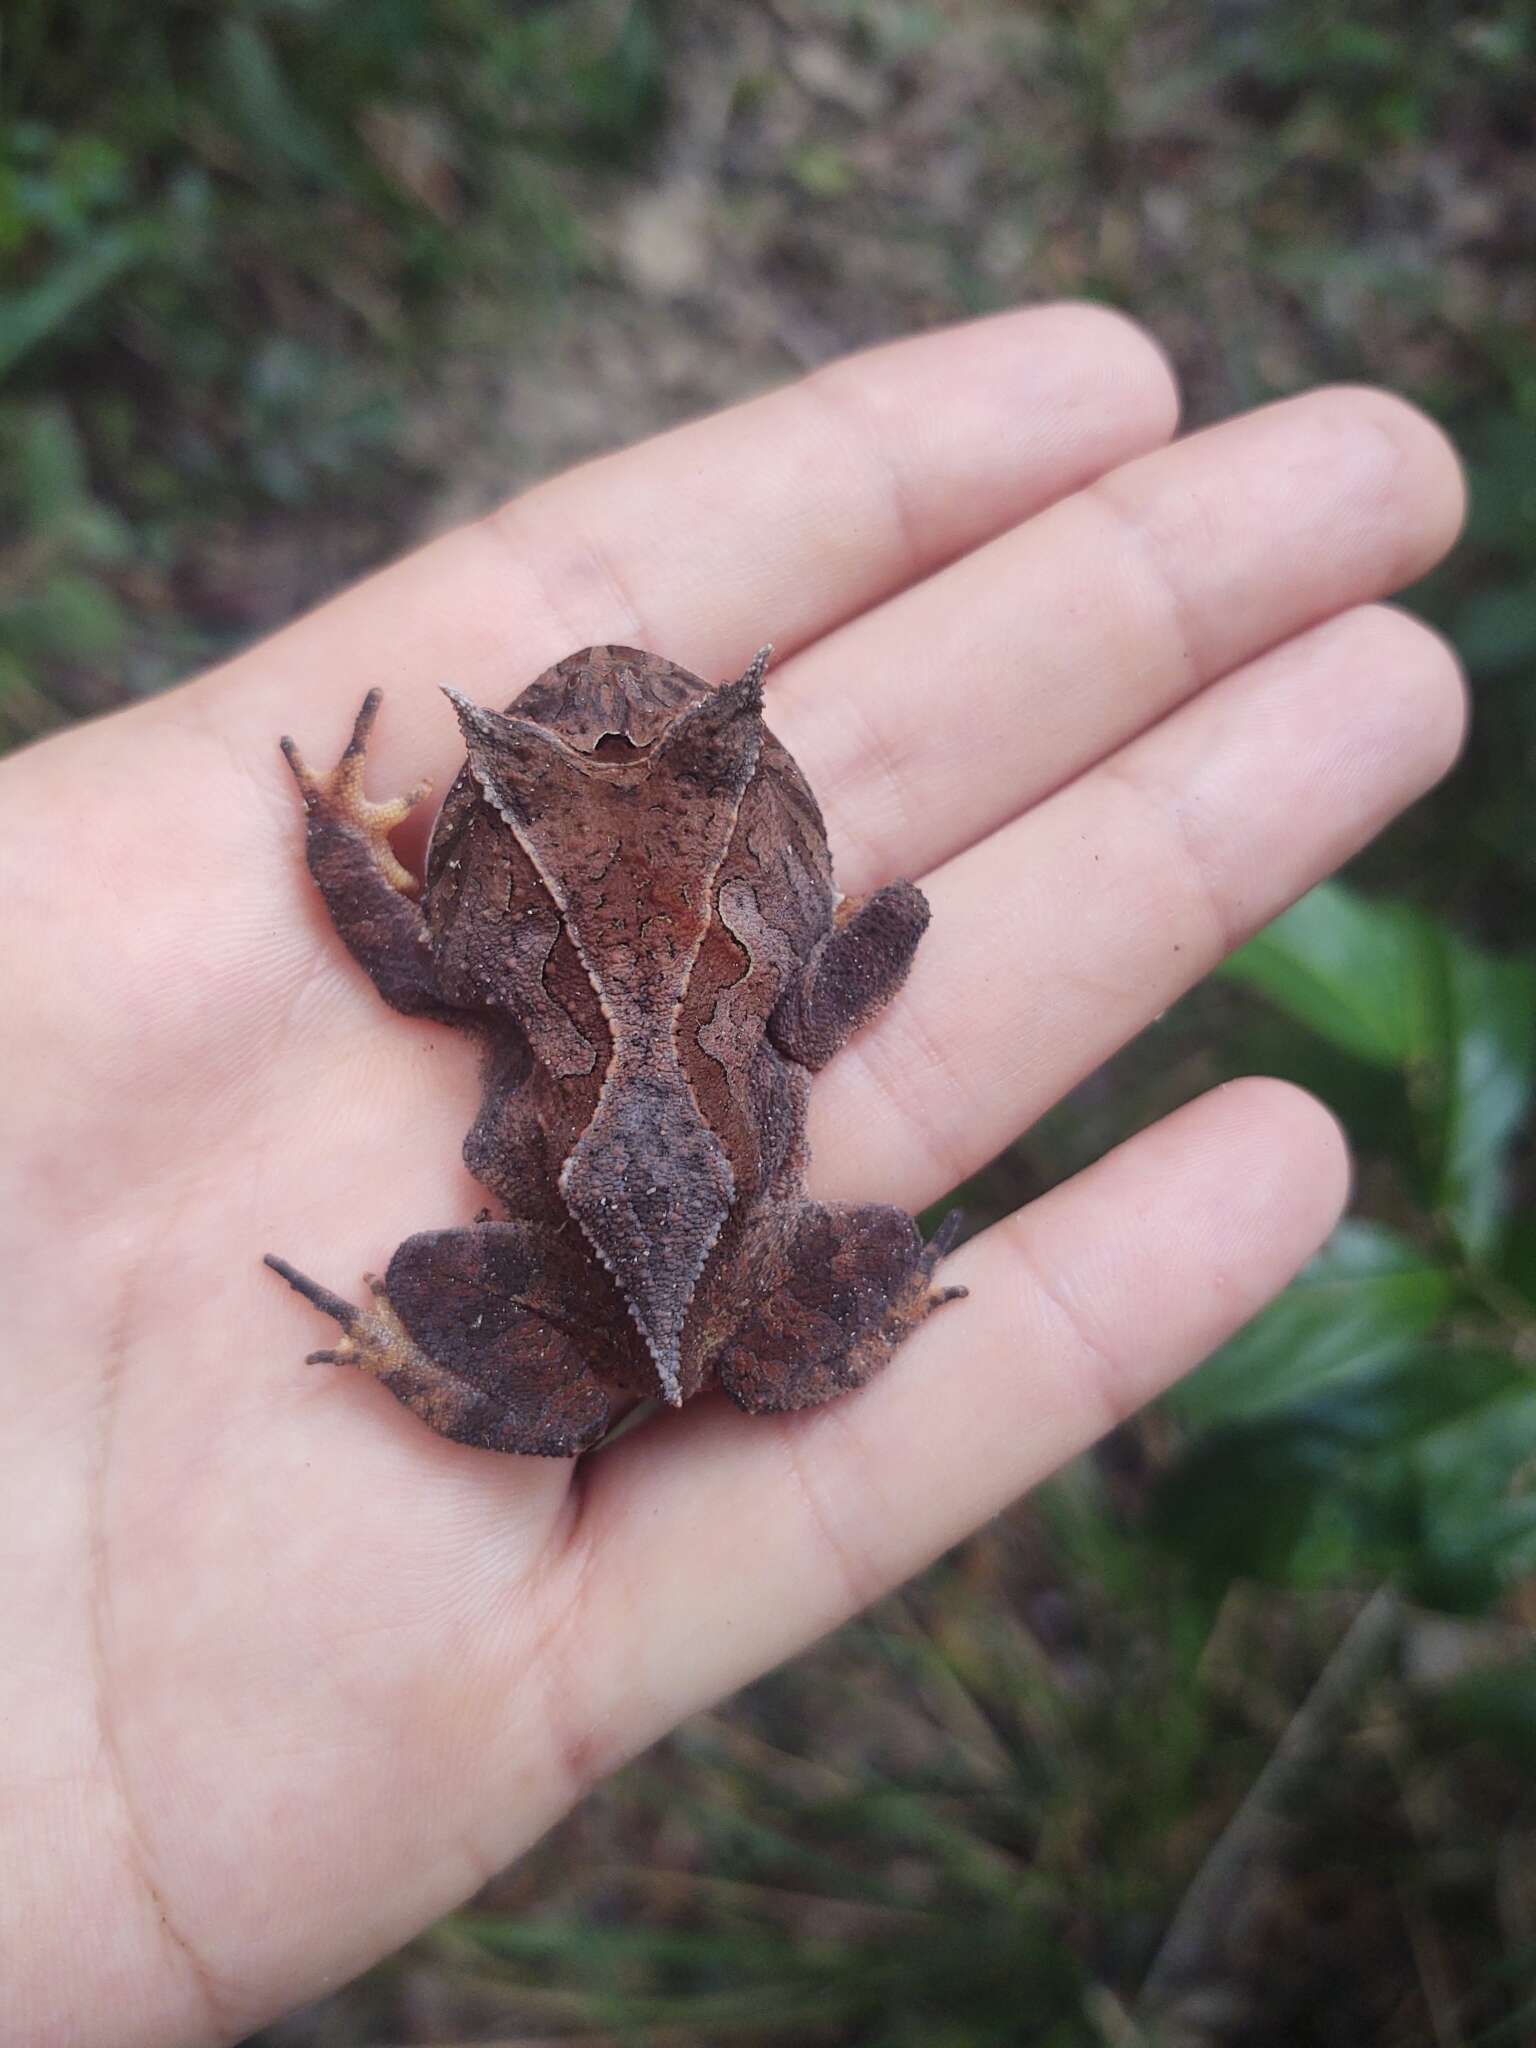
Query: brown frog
(629, 900)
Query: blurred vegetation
(1229, 1736)
(232, 238)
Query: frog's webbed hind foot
(373, 1339)
(840, 1287)
(939, 1246)
(336, 801)
(461, 1335)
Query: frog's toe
(938, 1247)
(337, 800)
(839, 1289)
(372, 1339)
(454, 1337)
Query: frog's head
(614, 703)
(614, 715)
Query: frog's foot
(373, 1339)
(841, 1288)
(458, 1334)
(855, 973)
(939, 1246)
(336, 801)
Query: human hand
(285, 1675)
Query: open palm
(282, 1674)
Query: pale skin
(282, 1674)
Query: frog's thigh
(483, 1360)
(841, 1288)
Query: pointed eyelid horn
(727, 701)
(473, 718)
(485, 728)
(757, 667)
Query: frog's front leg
(855, 972)
(470, 1330)
(369, 892)
(837, 1288)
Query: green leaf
(31, 316)
(1397, 1472)
(49, 474)
(1495, 630)
(1370, 1100)
(1477, 1506)
(1367, 1296)
(1497, 1706)
(1500, 451)
(272, 119)
(1423, 1389)
(1479, 1039)
(1265, 1499)
(71, 617)
(1517, 1254)
(1398, 989)
(1343, 967)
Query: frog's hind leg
(841, 1287)
(457, 1333)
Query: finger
(1057, 939)
(771, 521)
(751, 1536)
(931, 720)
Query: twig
(1434, 1978)
(1221, 1896)
(1115, 2026)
